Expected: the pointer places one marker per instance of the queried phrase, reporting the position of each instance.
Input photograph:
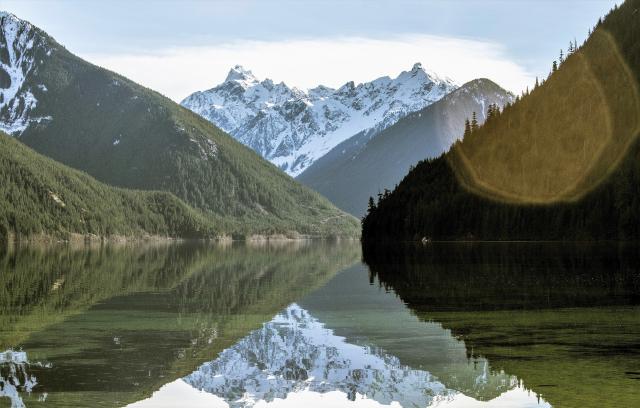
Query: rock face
(293, 128)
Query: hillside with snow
(293, 128)
(22, 51)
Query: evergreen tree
(474, 122)
(372, 205)
(467, 128)
(537, 83)
(561, 56)
(554, 67)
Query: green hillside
(562, 163)
(41, 196)
(363, 166)
(126, 135)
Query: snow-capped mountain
(19, 41)
(294, 352)
(293, 128)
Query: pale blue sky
(278, 38)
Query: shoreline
(495, 241)
(93, 239)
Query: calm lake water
(321, 325)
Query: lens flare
(562, 140)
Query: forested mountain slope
(561, 163)
(39, 196)
(126, 135)
(365, 164)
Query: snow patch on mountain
(18, 40)
(293, 128)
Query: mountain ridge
(293, 128)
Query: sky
(179, 47)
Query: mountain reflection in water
(294, 359)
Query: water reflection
(500, 276)
(564, 318)
(114, 324)
(295, 359)
(308, 325)
(349, 343)
(15, 378)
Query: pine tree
(561, 56)
(372, 205)
(467, 128)
(537, 83)
(554, 66)
(474, 122)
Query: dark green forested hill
(41, 196)
(363, 166)
(562, 162)
(128, 136)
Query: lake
(321, 324)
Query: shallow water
(311, 324)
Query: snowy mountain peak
(293, 128)
(240, 74)
(6, 15)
